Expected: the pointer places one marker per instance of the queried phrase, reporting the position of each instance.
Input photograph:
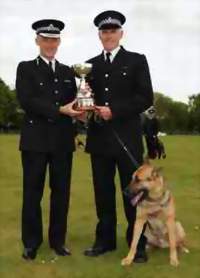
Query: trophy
(84, 97)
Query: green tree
(194, 110)
(9, 107)
(173, 115)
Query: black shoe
(97, 251)
(61, 251)
(29, 253)
(140, 257)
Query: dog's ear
(147, 161)
(159, 170)
(156, 172)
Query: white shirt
(47, 62)
(113, 53)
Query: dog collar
(161, 201)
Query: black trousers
(103, 169)
(34, 171)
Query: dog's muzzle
(136, 197)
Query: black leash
(124, 147)
(133, 160)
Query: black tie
(108, 58)
(51, 66)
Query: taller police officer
(122, 89)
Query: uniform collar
(113, 53)
(47, 62)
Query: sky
(166, 31)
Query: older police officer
(46, 91)
(122, 89)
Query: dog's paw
(185, 250)
(126, 261)
(174, 262)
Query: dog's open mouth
(139, 196)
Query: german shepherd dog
(156, 209)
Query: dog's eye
(149, 179)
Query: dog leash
(122, 144)
(125, 148)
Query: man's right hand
(104, 112)
(68, 109)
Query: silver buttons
(41, 83)
(106, 75)
(57, 103)
(106, 103)
(124, 73)
(31, 121)
(106, 89)
(55, 80)
(56, 92)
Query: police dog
(156, 209)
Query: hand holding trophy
(84, 97)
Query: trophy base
(85, 104)
(85, 108)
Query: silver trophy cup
(84, 97)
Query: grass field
(182, 172)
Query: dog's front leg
(136, 236)
(172, 241)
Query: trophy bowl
(82, 69)
(84, 96)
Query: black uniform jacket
(125, 86)
(40, 92)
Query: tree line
(175, 117)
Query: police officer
(46, 91)
(122, 89)
(150, 123)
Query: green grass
(182, 172)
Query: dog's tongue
(136, 199)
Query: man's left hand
(155, 147)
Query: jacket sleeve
(142, 95)
(27, 99)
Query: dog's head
(146, 182)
